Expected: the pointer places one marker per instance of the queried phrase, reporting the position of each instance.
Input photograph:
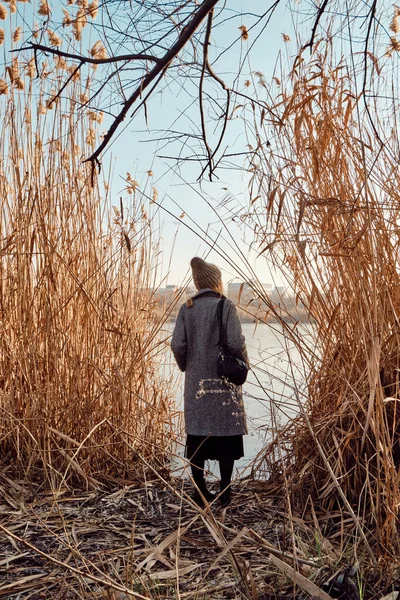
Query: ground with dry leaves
(146, 540)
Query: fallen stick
(299, 579)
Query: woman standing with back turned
(215, 421)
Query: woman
(215, 420)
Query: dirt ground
(148, 540)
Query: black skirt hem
(214, 447)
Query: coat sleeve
(235, 339)
(179, 340)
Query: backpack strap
(222, 342)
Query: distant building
(235, 290)
(167, 291)
(244, 292)
(268, 287)
(170, 291)
(278, 293)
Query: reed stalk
(327, 216)
(80, 347)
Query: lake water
(271, 394)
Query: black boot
(226, 469)
(209, 496)
(225, 497)
(197, 466)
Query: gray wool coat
(211, 406)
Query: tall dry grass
(81, 390)
(327, 215)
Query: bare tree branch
(163, 64)
(226, 114)
(88, 59)
(132, 73)
(203, 70)
(321, 11)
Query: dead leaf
(245, 33)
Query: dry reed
(80, 350)
(327, 215)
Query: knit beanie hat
(205, 275)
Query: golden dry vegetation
(80, 384)
(84, 403)
(330, 193)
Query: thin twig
(201, 83)
(321, 11)
(62, 88)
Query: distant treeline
(287, 310)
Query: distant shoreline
(268, 321)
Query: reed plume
(328, 214)
(81, 391)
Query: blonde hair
(219, 288)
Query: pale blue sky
(175, 193)
(177, 185)
(176, 108)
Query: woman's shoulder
(183, 308)
(229, 305)
(203, 297)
